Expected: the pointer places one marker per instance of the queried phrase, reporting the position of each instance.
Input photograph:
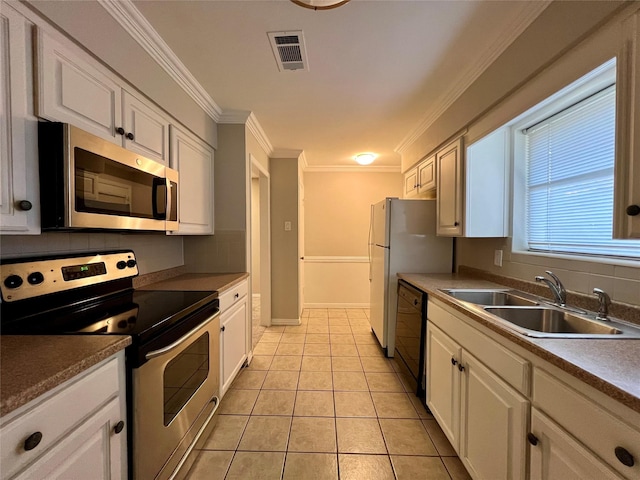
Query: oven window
(183, 376)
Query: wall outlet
(497, 258)
(287, 226)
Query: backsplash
(154, 252)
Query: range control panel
(28, 278)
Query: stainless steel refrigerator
(402, 239)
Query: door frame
(258, 170)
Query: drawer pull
(119, 427)
(624, 456)
(461, 367)
(454, 362)
(32, 441)
(237, 295)
(533, 440)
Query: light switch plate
(497, 258)
(287, 226)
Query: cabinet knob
(454, 361)
(129, 136)
(25, 205)
(118, 427)
(222, 328)
(633, 210)
(120, 131)
(533, 440)
(455, 224)
(237, 295)
(624, 456)
(461, 367)
(32, 441)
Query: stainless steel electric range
(172, 363)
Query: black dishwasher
(411, 331)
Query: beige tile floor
(320, 401)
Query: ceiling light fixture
(320, 4)
(365, 158)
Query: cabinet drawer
(55, 415)
(588, 422)
(233, 295)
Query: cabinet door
(411, 183)
(18, 128)
(557, 455)
(449, 189)
(194, 161)
(626, 216)
(233, 342)
(71, 89)
(443, 382)
(146, 129)
(493, 424)
(427, 175)
(93, 450)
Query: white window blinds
(570, 159)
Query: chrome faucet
(558, 290)
(605, 301)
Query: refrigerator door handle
(370, 246)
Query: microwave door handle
(168, 198)
(157, 183)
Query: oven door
(174, 396)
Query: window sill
(526, 256)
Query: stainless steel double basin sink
(534, 317)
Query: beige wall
(91, 26)
(559, 27)
(337, 209)
(284, 244)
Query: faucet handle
(605, 301)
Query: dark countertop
(610, 366)
(31, 365)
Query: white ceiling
(379, 71)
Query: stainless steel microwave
(87, 182)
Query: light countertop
(610, 366)
(198, 282)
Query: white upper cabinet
(473, 189)
(411, 183)
(193, 159)
(626, 216)
(421, 179)
(449, 190)
(73, 88)
(19, 195)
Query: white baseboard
(336, 305)
(285, 321)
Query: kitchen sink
(490, 297)
(556, 323)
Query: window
(569, 157)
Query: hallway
(320, 401)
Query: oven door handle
(181, 340)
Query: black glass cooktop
(141, 314)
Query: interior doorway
(260, 267)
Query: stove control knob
(131, 263)
(121, 265)
(35, 278)
(13, 281)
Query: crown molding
(513, 31)
(352, 169)
(235, 117)
(303, 161)
(286, 153)
(251, 122)
(134, 23)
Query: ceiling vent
(289, 50)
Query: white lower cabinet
(484, 418)
(234, 318)
(557, 455)
(77, 430)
